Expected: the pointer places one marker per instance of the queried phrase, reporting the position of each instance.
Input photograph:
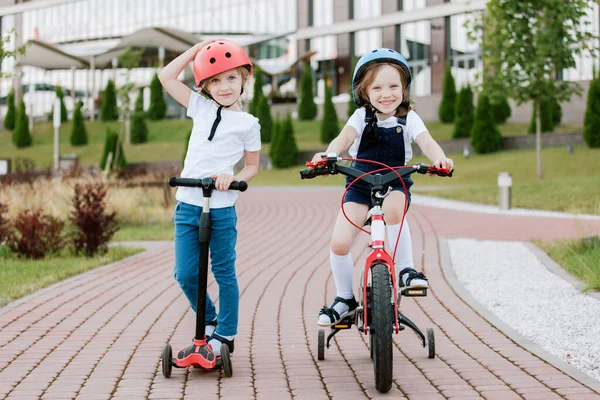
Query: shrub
(446, 109)
(158, 105)
(286, 151)
(139, 101)
(36, 234)
(547, 119)
(110, 146)
(329, 123)
(485, 136)
(501, 110)
(307, 109)
(4, 224)
(21, 136)
(139, 128)
(109, 110)
(275, 134)
(78, 132)
(591, 122)
(556, 112)
(463, 113)
(9, 119)
(265, 120)
(94, 227)
(257, 93)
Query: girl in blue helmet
(381, 129)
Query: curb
(503, 327)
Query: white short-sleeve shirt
(236, 133)
(414, 127)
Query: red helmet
(217, 57)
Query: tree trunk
(538, 138)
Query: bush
(446, 109)
(265, 120)
(329, 123)
(591, 121)
(139, 101)
(501, 110)
(286, 151)
(556, 112)
(547, 120)
(463, 114)
(94, 228)
(257, 93)
(110, 146)
(307, 109)
(78, 132)
(275, 134)
(485, 136)
(21, 137)
(158, 105)
(4, 225)
(9, 119)
(109, 110)
(139, 128)
(36, 234)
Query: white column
(92, 93)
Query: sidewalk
(100, 334)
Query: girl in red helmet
(222, 134)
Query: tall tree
(446, 108)
(158, 105)
(525, 43)
(307, 109)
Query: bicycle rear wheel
(382, 328)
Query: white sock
(342, 268)
(209, 330)
(215, 344)
(404, 256)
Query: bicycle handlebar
(206, 183)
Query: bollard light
(504, 187)
(570, 149)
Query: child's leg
(342, 265)
(393, 208)
(222, 254)
(187, 255)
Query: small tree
(286, 149)
(546, 117)
(257, 93)
(501, 110)
(9, 119)
(63, 109)
(265, 119)
(78, 132)
(556, 112)
(129, 59)
(139, 128)
(109, 110)
(158, 105)
(591, 122)
(351, 104)
(485, 136)
(110, 146)
(21, 137)
(307, 109)
(275, 135)
(329, 123)
(463, 113)
(446, 109)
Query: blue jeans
(222, 258)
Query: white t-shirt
(414, 127)
(237, 132)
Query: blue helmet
(378, 55)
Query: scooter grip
(241, 186)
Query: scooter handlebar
(206, 183)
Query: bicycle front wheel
(381, 327)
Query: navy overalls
(385, 145)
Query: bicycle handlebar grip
(310, 173)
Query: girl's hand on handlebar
(223, 181)
(445, 163)
(318, 157)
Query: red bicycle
(378, 313)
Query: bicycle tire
(382, 327)
(321, 345)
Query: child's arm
(433, 151)
(341, 143)
(168, 76)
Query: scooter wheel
(226, 360)
(430, 343)
(321, 344)
(167, 367)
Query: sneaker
(409, 278)
(339, 309)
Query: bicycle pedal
(342, 325)
(414, 292)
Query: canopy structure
(47, 56)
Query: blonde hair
(362, 86)
(246, 77)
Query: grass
(20, 277)
(580, 259)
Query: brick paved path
(100, 335)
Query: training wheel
(321, 345)
(167, 367)
(226, 360)
(430, 343)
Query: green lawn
(20, 277)
(580, 259)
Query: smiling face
(225, 87)
(385, 92)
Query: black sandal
(412, 275)
(334, 316)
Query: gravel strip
(514, 285)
